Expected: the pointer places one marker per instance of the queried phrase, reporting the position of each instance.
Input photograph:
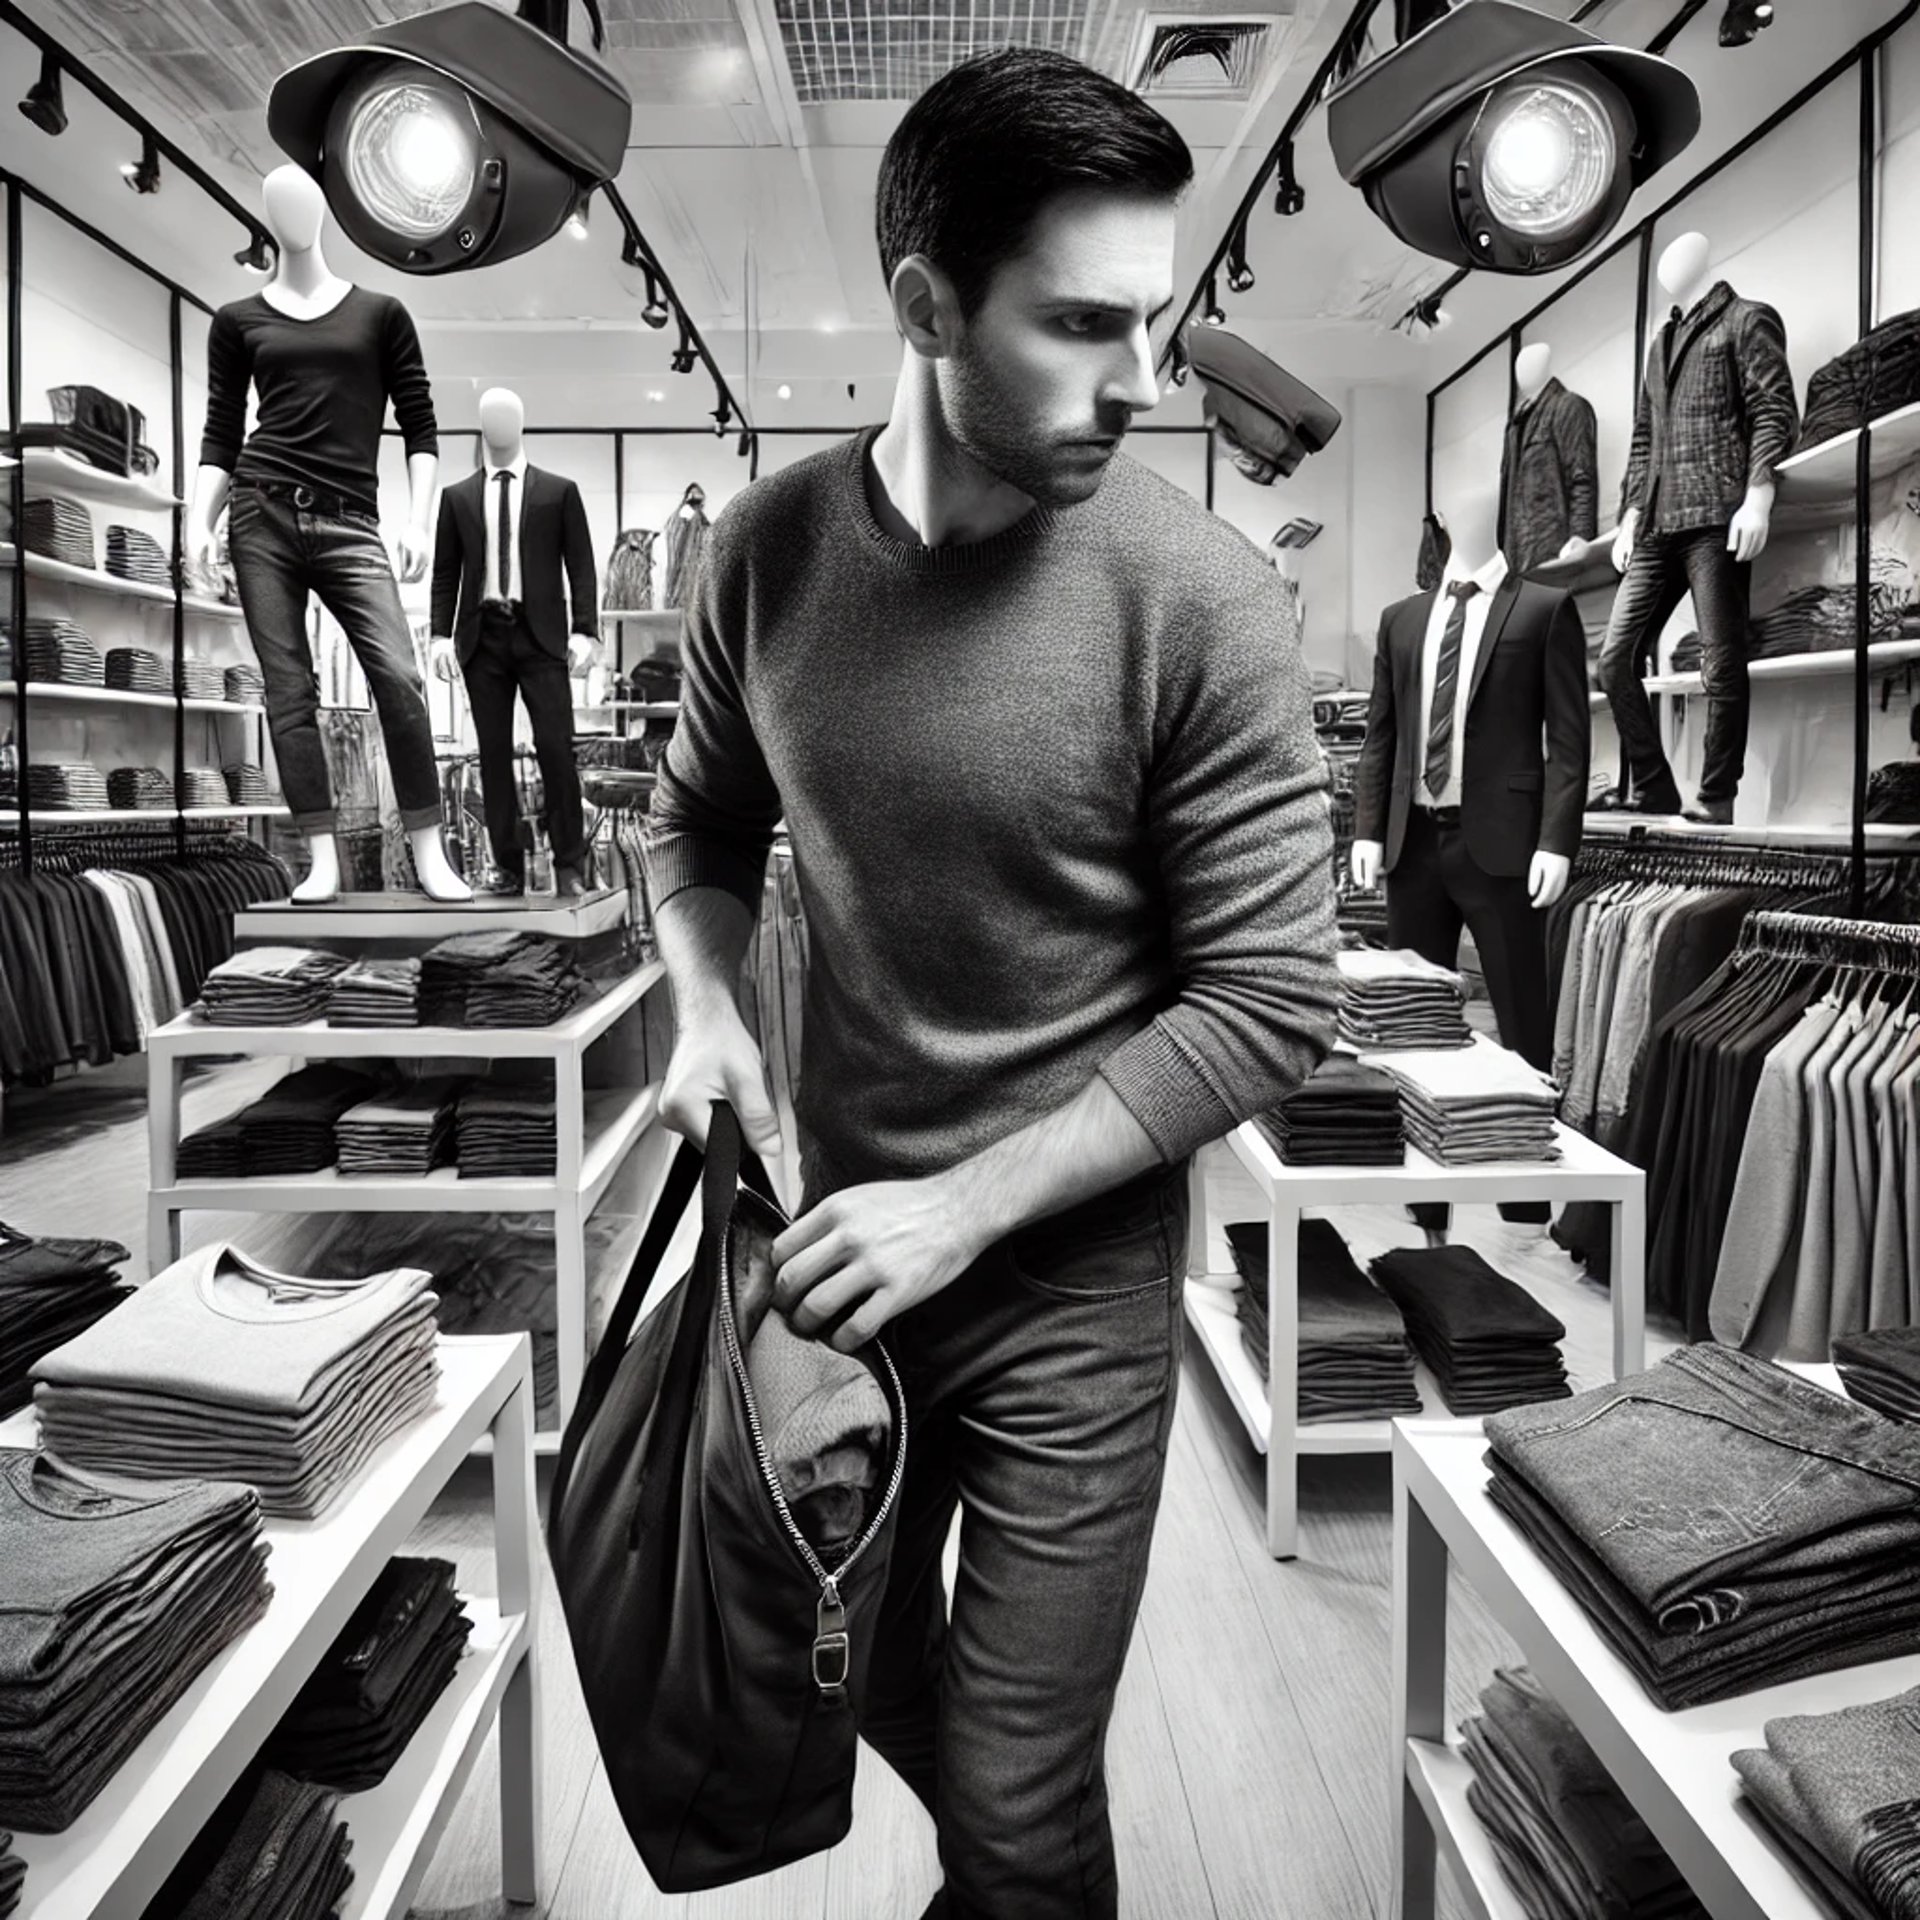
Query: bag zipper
(832, 1660)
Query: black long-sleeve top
(323, 389)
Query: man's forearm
(1091, 1144)
(702, 933)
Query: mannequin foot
(322, 879)
(1710, 813)
(569, 883)
(503, 886)
(1655, 799)
(438, 881)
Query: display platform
(412, 916)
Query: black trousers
(509, 660)
(1665, 568)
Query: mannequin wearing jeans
(506, 534)
(301, 495)
(1716, 416)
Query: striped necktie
(1446, 686)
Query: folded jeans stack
(146, 788)
(1840, 1793)
(269, 987)
(133, 555)
(1399, 1001)
(1565, 1836)
(1346, 1115)
(275, 1849)
(222, 1367)
(409, 1131)
(1475, 1104)
(497, 980)
(202, 680)
(1355, 1359)
(117, 1597)
(202, 787)
(376, 993)
(1725, 1524)
(50, 1290)
(290, 1129)
(1488, 1342)
(135, 670)
(247, 785)
(506, 1130)
(377, 1683)
(245, 685)
(63, 654)
(1881, 1370)
(58, 529)
(65, 786)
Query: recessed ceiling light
(785, 392)
(656, 395)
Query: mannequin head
(1682, 268)
(1533, 368)
(294, 206)
(1470, 512)
(502, 421)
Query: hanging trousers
(1665, 568)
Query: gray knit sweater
(1055, 803)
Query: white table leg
(163, 1139)
(1419, 1691)
(1630, 1283)
(570, 1230)
(1283, 1374)
(516, 1526)
(1196, 1216)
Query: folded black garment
(1346, 1114)
(134, 555)
(1487, 1341)
(497, 979)
(35, 1320)
(66, 787)
(202, 787)
(135, 670)
(31, 1260)
(274, 1849)
(245, 685)
(247, 785)
(289, 1129)
(142, 787)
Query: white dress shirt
(1488, 580)
(490, 515)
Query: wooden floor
(1248, 1758)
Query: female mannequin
(325, 357)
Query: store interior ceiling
(757, 132)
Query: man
(1038, 726)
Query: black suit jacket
(1549, 478)
(1523, 783)
(1716, 414)
(553, 535)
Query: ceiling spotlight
(722, 418)
(1743, 19)
(1239, 274)
(1213, 314)
(1182, 361)
(784, 391)
(1289, 196)
(257, 255)
(1503, 139)
(684, 358)
(656, 313)
(455, 138)
(143, 175)
(1427, 316)
(744, 445)
(655, 396)
(577, 220)
(45, 104)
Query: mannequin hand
(1747, 536)
(1623, 540)
(1367, 857)
(415, 551)
(440, 657)
(580, 652)
(1575, 545)
(1547, 877)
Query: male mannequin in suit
(1455, 801)
(506, 531)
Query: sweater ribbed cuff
(1161, 1086)
(676, 861)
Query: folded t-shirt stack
(118, 1594)
(136, 670)
(290, 1129)
(1355, 1359)
(144, 787)
(65, 786)
(377, 1683)
(133, 555)
(13, 1874)
(1346, 1115)
(63, 654)
(1565, 1836)
(244, 684)
(1469, 1105)
(60, 529)
(276, 1848)
(1488, 1342)
(269, 987)
(202, 787)
(376, 993)
(202, 679)
(247, 785)
(1881, 1369)
(220, 1366)
(506, 1130)
(1399, 1001)
(1840, 1793)
(407, 1131)
(50, 1289)
(497, 979)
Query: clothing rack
(1713, 862)
(126, 846)
(1827, 940)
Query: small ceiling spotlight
(1289, 196)
(656, 313)
(1213, 314)
(1426, 317)
(1743, 19)
(784, 391)
(744, 445)
(45, 104)
(257, 255)
(143, 176)
(722, 417)
(684, 358)
(1239, 274)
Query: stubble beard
(992, 429)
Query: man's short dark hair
(984, 149)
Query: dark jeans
(506, 660)
(1665, 568)
(1040, 1392)
(281, 554)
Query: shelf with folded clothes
(116, 1855)
(1440, 1776)
(1824, 476)
(58, 572)
(255, 810)
(57, 471)
(119, 697)
(1673, 1767)
(1884, 656)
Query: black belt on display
(306, 499)
(1442, 816)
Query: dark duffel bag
(721, 1658)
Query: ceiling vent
(1201, 56)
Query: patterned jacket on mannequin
(1549, 478)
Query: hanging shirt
(516, 497)
(1488, 580)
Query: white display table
(1674, 1767)
(112, 1861)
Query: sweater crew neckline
(909, 556)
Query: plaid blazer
(1716, 414)
(1549, 478)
